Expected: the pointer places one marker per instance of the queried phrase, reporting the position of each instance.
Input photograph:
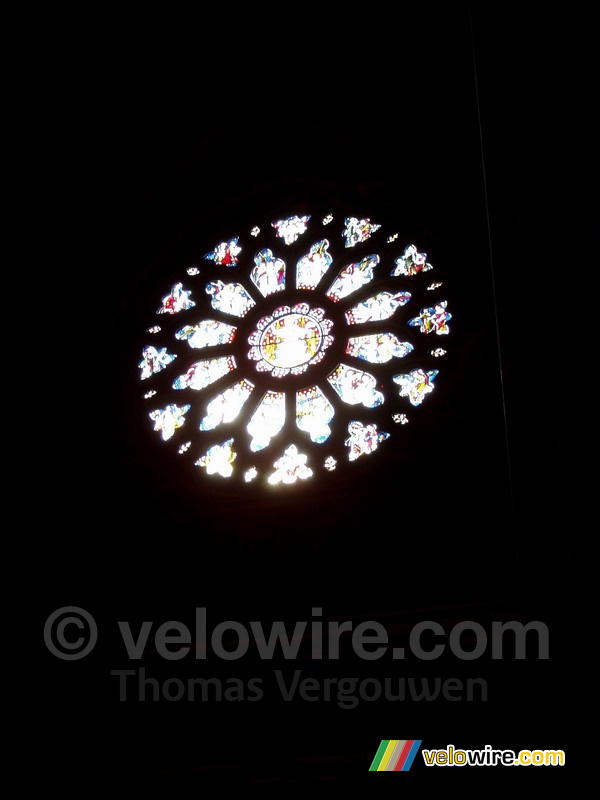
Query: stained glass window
(289, 354)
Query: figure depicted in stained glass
(352, 278)
(291, 228)
(208, 333)
(154, 361)
(226, 406)
(290, 467)
(358, 230)
(416, 384)
(411, 262)
(218, 459)
(168, 420)
(378, 348)
(433, 320)
(312, 266)
(377, 308)
(226, 253)
(314, 412)
(363, 439)
(268, 274)
(355, 386)
(290, 339)
(202, 373)
(178, 300)
(267, 420)
(230, 298)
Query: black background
(144, 147)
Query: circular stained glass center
(291, 340)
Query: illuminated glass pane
(226, 406)
(226, 253)
(312, 266)
(230, 298)
(438, 352)
(267, 420)
(291, 228)
(433, 286)
(290, 339)
(218, 459)
(290, 467)
(377, 308)
(178, 300)
(416, 384)
(207, 333)
(154, 361)
(314, 412)
(363, 439)
(401, 419)
(411, 262)
(330, 463)
(251, 473)
(378, 348)
(352, 278)
(167, 420)
(358, 230)
(268, 274)
(203, 373)
(355, 386)
(433, 320)
(184, 448)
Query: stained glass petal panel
(353, 277)
(291, 228)
(225, 253)
(154, 361)
(290, 467)
(207, 333)
(355, 386)
(411, 262)
(178, 300)
(230, 298)
(433, 320)
(226, 406)
(312, 266)
(218, 459)
(267, 420)
(416, 384)
(378, 348)
(358, 230)
(363, 439)
(377, 308)
(202, 373)
(168, 420)
(314, 412)
(268, 273)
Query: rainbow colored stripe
(395, 755)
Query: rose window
(293, 349)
